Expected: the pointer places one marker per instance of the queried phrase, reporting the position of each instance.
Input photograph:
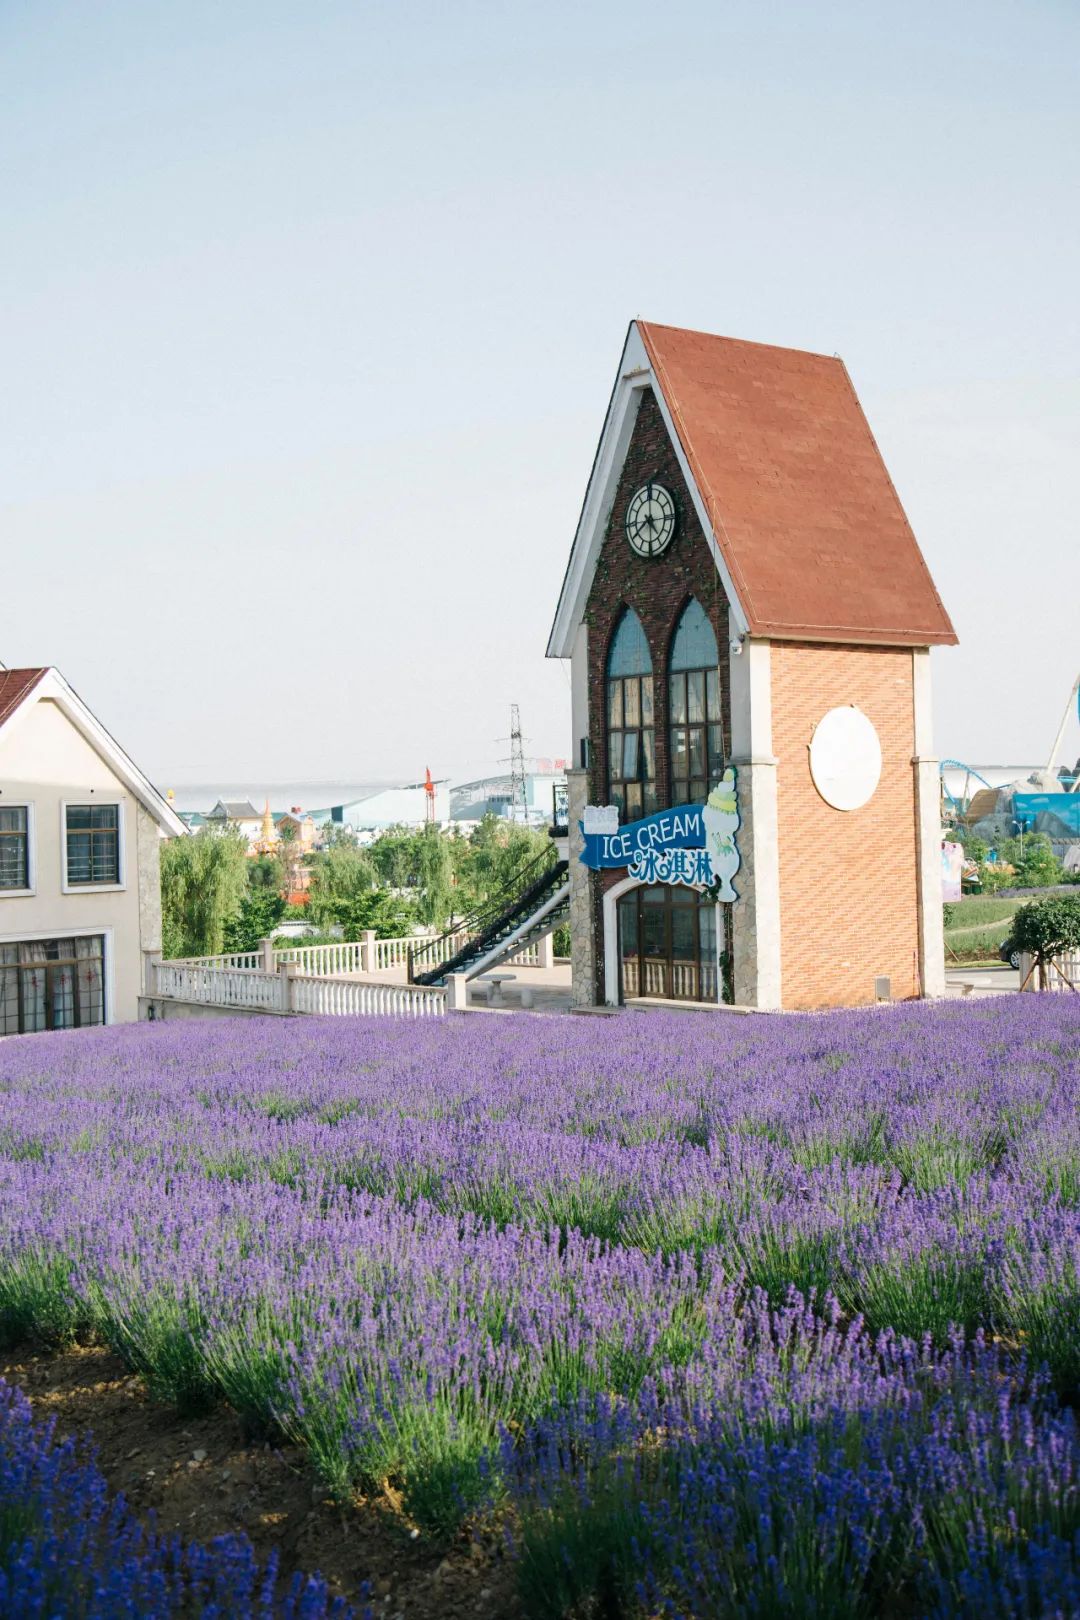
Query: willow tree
(435, 877)
(339, 875)
(204, 878)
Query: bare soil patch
(201, 1478)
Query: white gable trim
(54, 687)
(635, 375)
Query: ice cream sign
(693, 844)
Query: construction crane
(1049, 779)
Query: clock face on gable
(650, 520)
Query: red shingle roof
(803, 509)
(14, 685)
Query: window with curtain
(697, 736)
(52, 984)
(93, 843)
(14, 847)
(630, 735)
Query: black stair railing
(433, 959)
(430, 951)
(480, 943)
(430, 956)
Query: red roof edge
(946, 636)
(15, 685)
(929, 625)
(738, 578)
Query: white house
(239, 815)
(80, 828)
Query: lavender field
(714, 1316)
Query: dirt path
(201, 1478)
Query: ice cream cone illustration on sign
(721, 818)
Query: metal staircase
(537, 901)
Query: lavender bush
(67, 1548)
(785, 1311)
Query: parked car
(1009, 953)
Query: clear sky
(309, 313)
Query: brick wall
(658, 590)
(848, 903)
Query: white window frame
(82, 931)
(31, 850)
(121, 849)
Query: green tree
(395, 855)
(435, 877)
(994, 877)
(266, 872)
(1045, 929)
(1033, 857)
(497, 852)
(391, 916)
(291, 857)
(333, 833)
(423, 861)
(261, 910)
(339, 875)
(204, 879)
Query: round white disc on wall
(845, 758)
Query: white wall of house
(46, 763)
(252, 830)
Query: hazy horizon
(310, 317)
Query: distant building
(468, 801)
(493, 796)
(295, 825)
(80, 893)
(390, 807)
(238, 813)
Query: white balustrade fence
(392, 953)
(223, 980)
(325, 961)
(287, 991)
(349, 997)
(218, 986)
(245, 961)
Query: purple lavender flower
(777, 1310)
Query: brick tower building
(746, 611)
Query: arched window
(631, 750)
(697, 738)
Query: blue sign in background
(666, 829)
(1028, 807)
